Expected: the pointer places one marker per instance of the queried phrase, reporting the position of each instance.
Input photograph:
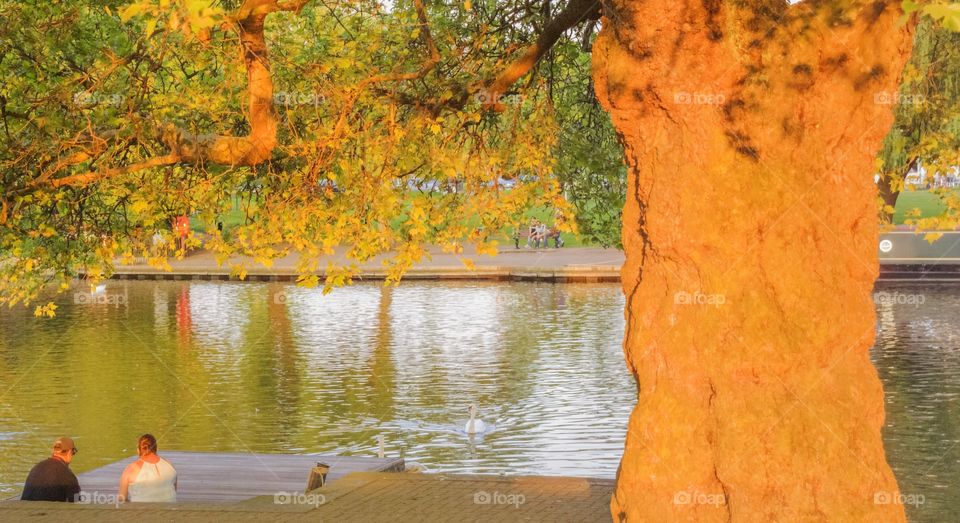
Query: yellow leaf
(932, 236)
(131, 11)
(151, 25)
(48, 310)
(239, 271)
(310, 280)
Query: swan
(474, 426)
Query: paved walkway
(371, 497)
(565, 264)
(574, 264)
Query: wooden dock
(231, 477)
(366, 497)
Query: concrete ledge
(940, 272)
(919, 272)
(527, 274)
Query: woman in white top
(150, 478)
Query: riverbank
(565, 265)
(910, 258)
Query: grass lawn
(230, 220)
(928, 203)
(236, 217)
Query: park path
(564, 264)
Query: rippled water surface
(917, 354)
(279, 368)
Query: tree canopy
(380, 127)
(927, 126)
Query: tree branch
(88, 178)
(575, 12)
(188, 148)
(425, 68)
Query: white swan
(474, 426)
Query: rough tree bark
(751, 235)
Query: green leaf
(947, 14)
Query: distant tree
(927, 119)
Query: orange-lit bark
(258, 145)
(751, 235)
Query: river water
(278, 368)
(271, 367)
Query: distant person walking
(52, 479)
(181, 231)
(541, 235)
(532, 231)
(150, 478)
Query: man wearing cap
(52, 479)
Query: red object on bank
(181, 226)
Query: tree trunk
(888, 193)
(751, 235)
(888, 196)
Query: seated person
(52, 479)
(150, 478)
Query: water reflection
(278, 368)
(917, 354)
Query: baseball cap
(63, 444)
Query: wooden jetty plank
(230, 477)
